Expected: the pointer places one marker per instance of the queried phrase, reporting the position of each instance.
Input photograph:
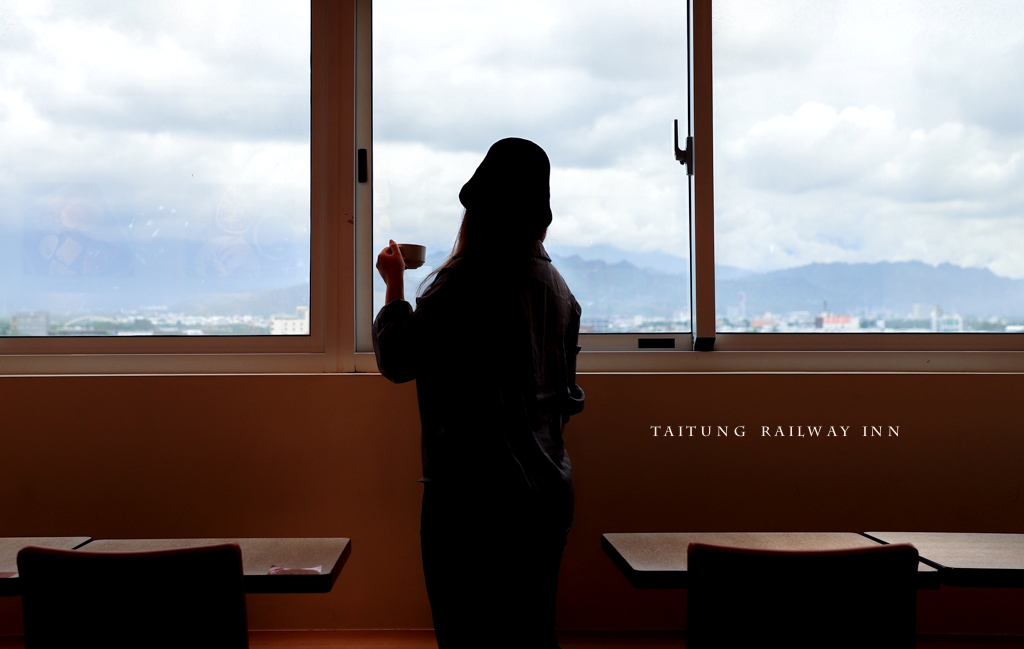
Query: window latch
(684, 156)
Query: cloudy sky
(156, 148)
(868, 131)
(597, 88)
(854, 131)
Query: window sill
(78, 364)
(786, 362)
(814, 362)
(639, 362)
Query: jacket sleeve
(575, 398)
(394, 341)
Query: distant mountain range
(620, 289)
(883, 289)
(610, 282)
(607, 281)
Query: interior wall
(338, 455)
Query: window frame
(331, 213)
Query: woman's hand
(391, 266)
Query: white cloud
(868, 131)
(817, 146)
(851, 185)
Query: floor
(568, 640)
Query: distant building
(946, 323)
(291, 325)
(833, 322)
(36, 323)
(767, 322)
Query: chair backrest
(844, 598)
(189, 597)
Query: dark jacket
(492, 347)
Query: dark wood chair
(761, 598)
(189, 597)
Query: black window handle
(684, 156)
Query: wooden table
(9, 548)
(658, 560)
(964, 559)
(258, 556)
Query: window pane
(596, 84)
(154, 167)
(868, 159)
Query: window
(341, 211)
(597, 87)
(170, 170)
(867, 166)
(719, 83)
(157, 170)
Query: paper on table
(278, 570)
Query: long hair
(471, 242)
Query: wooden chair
(761, 598)
(190, 597)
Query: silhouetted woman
(492, 345)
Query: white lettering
(764, 431)
(894, 430)
(655, 429)
(845, 428)
(813, 430)
(739, 431)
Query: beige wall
(338, 455)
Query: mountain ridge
(874, 289)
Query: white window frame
(733, 352)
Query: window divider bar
(364, 253)
(702, 187)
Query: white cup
(415, 255)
